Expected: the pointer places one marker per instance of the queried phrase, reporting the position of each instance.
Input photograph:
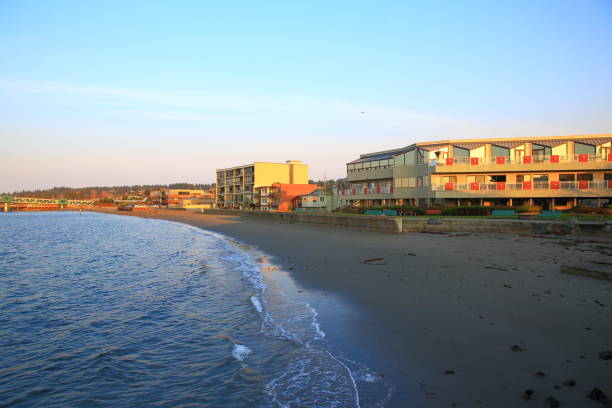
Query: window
(540, 177)
(422, 181)
(497, 179)
(522, 178)
(421, 156)
(460, 152)
(607, 176)
(475, 179)
(585, 177)
(567, 177)
(538, 151)
(499, 151)
(449, 179)
(183, 193)
(581, 148)
(322, 198)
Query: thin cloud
(168, 106)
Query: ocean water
(100, 310)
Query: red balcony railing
(502, 160)
(528, 185)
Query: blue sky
(116, 92)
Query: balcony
(375, 173)
(525, 163)
(585, 188)
(366, 194)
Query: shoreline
(439, 314)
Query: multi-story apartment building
(555, 172)
(236, 185)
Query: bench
(502, 213)
(433, 212)
(299, 210)
(390, 213)
(551, 214)
(373, 212)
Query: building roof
(516, 141)
(382, 155)
(508, 142)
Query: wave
(240, 352)
(313, 376)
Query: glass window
(581, 148)
(421, 156)
(607, 176)
(538, 150)
(461, 152)
(567, 177)
(540, 177)
(585, 176)
(497, 178)
(449, 179)
(475, 179)
(499, 151)
(521, 178)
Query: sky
(146, 92)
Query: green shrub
(528, 209)
(465, 210)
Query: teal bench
(390, 213)
(299, 210)
(373, 212)
(551, 214)
(503, 213)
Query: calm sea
(100, 310)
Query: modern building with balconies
(236, 185)
(554, 172)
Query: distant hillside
(71, 193)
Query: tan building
(555, 172)
(236, 185)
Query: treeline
(83, 193)
(326, 184)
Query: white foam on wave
(315, 324)
(369, 378)
(245, 259)
(256, 303)
(240, 352)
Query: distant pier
(13, 203)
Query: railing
(367, 191)
(552, 159)
(528, 185)
(370, 169)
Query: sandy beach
(457, 319)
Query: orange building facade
(280, 196)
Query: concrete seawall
(434, 224)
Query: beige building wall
(291, 172)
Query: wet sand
(439, 315)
